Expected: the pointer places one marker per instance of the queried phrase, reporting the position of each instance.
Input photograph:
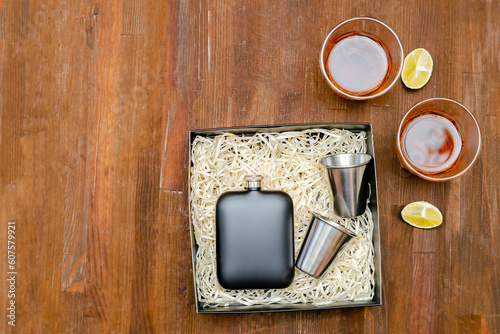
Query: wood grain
(77, 171)
(97, 98)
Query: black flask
(254, 238)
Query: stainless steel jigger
(348, 183)
(323, 241)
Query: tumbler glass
(361, 58)
(438, 140)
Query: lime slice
(417, 69)
(422, 215)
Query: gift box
(210, 297)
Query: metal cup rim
(369, 158)
(334, 225)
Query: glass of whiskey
(438, 140)
(361, 58)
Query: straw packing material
(288, 161)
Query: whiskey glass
(378, 32)
(464, 123)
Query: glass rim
(368, 96)
(407, 163)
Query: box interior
(373, 204)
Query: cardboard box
(373, 204)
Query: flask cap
(253, 181)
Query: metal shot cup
(348, 182)
(323, 242)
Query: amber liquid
(431, 142)
(357, 64)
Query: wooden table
(96, 101)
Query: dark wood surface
(97, 98)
